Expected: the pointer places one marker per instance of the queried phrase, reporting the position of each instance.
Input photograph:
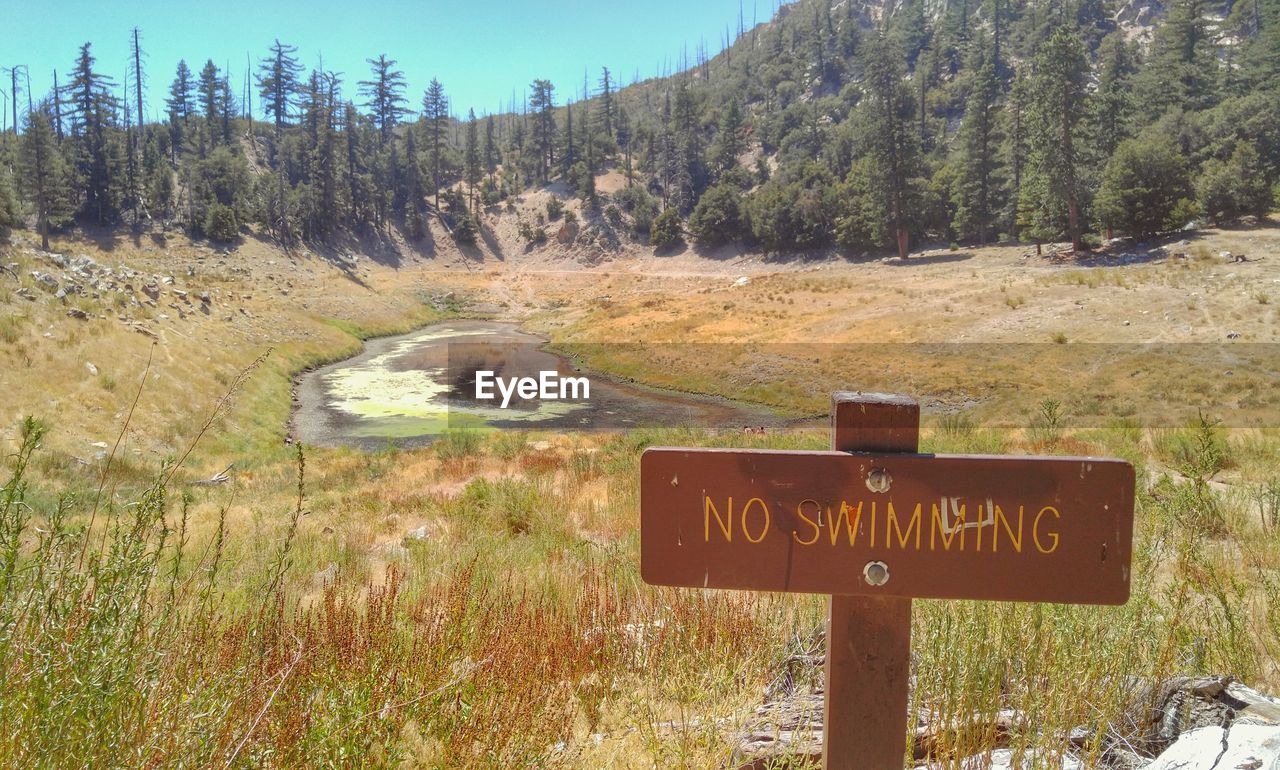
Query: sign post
(874, 525)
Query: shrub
(666, 230)
(464, 231)
(1227, 190)
(1141, 186)
(455, 444)
(554, 209)
(717, 218)
(645, 212)
(220, 223)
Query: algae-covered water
(411, 388)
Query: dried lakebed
(409, 389)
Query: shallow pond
(411, 388)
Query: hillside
(846, 127)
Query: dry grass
(478, 603)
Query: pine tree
(435, 109)
(976, 183)
(624, 141)
(97, 157)
(472, 167)
(227, 110)
(1014, 151)
(180, 107)
(1182, 69)
(411, 184)
(1058, 78)
(730, 141)
(606, 112)
(1111, 108)
(358, 214)
(44, 174)
(278, 81)
(211, 102)
(490, 149)
(891, 141)
(542, 105)
(385, 93)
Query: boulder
(45, 281)
(1242, 746)
(77, 314)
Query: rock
(61, 293)
(204, 297)
(77, 314)
(417, 533)
(26, 294)
(1233, 335)
(1246, 747)
(180, 294)
(151, 290)
(742, 280)
(1228, 256)
(567, 232)
(1002, 759)
(45, 281)
(327, 530)
(92, 369)
(99, 445)
(540, 446)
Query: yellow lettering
(1035, 530)
(726, 525)
(850, 524)
(995, 534)
(764, 530)
(816, 529)
(940, 526)
(892, 524)
(873, 523)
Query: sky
(480, 51)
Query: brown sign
(1047, 529)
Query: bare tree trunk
(1073, 223)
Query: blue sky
(480, 51)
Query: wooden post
(868, 638)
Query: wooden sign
(1047, 529)
(873, 524)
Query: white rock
(1002, 759)
(1253, 747)
(417, 533)
(742, 281)
(92, 369)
